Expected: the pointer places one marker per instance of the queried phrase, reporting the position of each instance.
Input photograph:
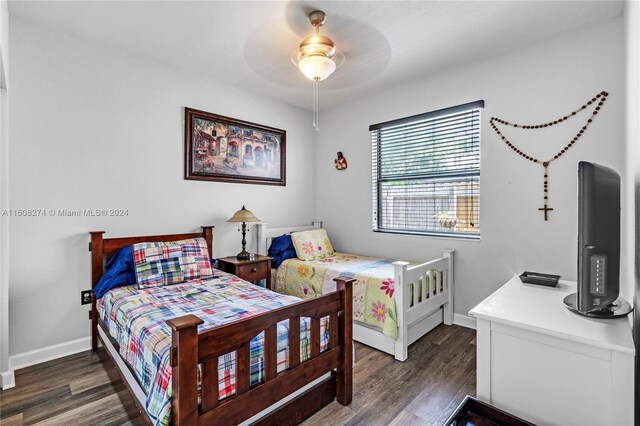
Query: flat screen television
(598, 285)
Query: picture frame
(225, 149)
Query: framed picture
(224, 149)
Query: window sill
(431, 234)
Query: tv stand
(542, 363)
(618, 309)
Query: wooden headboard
(103, 248)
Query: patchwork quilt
(136, 318)
(373, 301)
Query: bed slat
(315, 337)
(270, 352)
(426, 285)
(333, 331)
(294, 342)
(243, 370)
(210, 384)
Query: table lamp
(243, 215)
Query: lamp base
(243, 255)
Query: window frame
(434, 178)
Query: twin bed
(220, 350)
(395, 303)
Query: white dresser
(547, 365)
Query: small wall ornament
(340, 162)
(598, 99)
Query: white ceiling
(249, 44)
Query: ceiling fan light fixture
(317, 45)
(317, 67)
(316, 58)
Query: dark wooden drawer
(253, 271)
(473, 412)
(259, 268)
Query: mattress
(136, 319)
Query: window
(426, 173)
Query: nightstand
(250, 270)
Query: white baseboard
(47, 354)
(7, 380)
(464, 321)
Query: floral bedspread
(137, 320)
(373, 301)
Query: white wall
(6, 379)
(4, 43)
(92, 127)
(532, 85)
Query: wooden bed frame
(414, 320)
(287, 397)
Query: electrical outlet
(85, 297)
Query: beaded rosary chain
(600, 98)
(602, 95)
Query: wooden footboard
(421, 290)
(190, 349)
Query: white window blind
(426, 173)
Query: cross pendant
(546, 209)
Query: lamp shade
(317, 67)
(243, 215)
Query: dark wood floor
(84, 389)
(423, 390)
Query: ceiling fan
(317, 58)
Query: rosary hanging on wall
(599, 98)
